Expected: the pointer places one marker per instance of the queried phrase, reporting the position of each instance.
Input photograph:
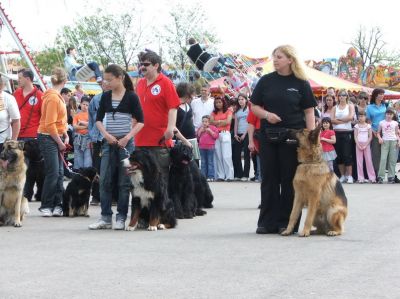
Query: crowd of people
(226, 132)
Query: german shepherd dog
(77, 194)
(317, 188)
(13, 205)
(150, 202)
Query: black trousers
(237, 148)
(278, 167)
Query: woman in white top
(342, 114)
(9, 115)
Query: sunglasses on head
(145, 63)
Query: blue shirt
(94, 132)
(376, 114)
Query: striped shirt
(118, 124)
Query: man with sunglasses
(159, 102)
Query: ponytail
(118, 72)
(128, 82)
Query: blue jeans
(92, 65)
(207, 163)
(82, 158)
(54, 173)
(111, 166)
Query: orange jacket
(54, 114)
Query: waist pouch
(276, 135)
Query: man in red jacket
(29, 100)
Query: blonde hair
(342, 91)
(297, 66)
(58, 76)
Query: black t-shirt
(185, 124)
(286, 96)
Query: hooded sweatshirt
(54, 114)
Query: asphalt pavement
(215, 256)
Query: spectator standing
(327, 105)
(29, 100)
(375, 114)
(328, 139)
(207, 135)
(82, 154)
(389, 138)
(202, 106)
(198, 83)
(221, 117)
(363, 137)
(241, 140)
(53, 138)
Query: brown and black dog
(13, 205)
(317, 188)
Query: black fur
(146, 177)
(188, 188)
(77, 193)
(340, 192)
(35, 171)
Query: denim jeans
(111, 166)
(207, 163)
(54, 173)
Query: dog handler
(282, 100)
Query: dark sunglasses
(343, 95)
(145, 63)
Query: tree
(47, 59)
(185, 22)
(105, 38)
(371, 46)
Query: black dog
(76, 196)
(35, 171)
(186, 186)
(150, 202)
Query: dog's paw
(161, 226)
(304, 233)
(131, 228)
(200, 212)
(17, 224)
(332, 233)
(286, 232)
(152, 228)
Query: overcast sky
(318, 29)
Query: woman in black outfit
(282, 100)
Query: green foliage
(48, 59)
(186, 22)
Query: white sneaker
(343, 179)
(57, 212)
(46, 212)
(244, 179)
(119, 225)
(100, 224)
(350, 180)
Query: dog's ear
(21, 145)
(292, 133)
(314, 135)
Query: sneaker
(379, 180)
(57, 212)
(46, 212)
(100, 224)
(253, 179)
(119, 224)
(99, 79)
(236, 179)
(342, 179)
(350, 180)
(391, 181)
(95, 202)
(244, 179)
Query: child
(328, 138)
(207, 134)
(363, 137)
(388, 136)
(82, 154)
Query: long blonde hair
(297, 66)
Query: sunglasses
(145, 64)
(343, 95)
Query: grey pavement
(215, 256)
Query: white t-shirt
(200, 109)
(388, 129)
(342, 114)
(8, 111)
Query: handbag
(276, 135)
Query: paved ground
(216, 256)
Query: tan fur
(13, 205)
(315, 187)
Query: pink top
(207, 139)
(362, 132)
(327, 147)
(222, 116)
(388, 129)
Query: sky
(317, 29)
